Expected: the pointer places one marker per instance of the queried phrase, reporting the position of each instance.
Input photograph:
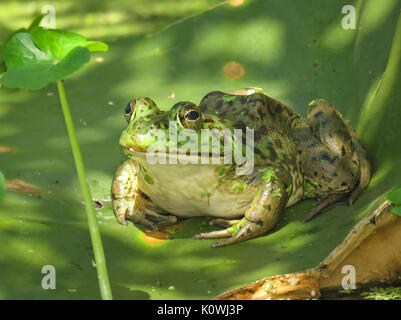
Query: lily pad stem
(97, 246)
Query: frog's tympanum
(293, 159)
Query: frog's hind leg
(335, 133)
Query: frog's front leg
(130, 203)
(262, 216)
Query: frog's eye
(129, 110)
(188, 115)
(192, 115)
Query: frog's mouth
(176, 157)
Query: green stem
(97, 246)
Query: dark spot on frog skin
(343, 152)
(256, 150)
(219, 104)
(269, 207)
(256, 103)
(343, 184)
(241, 125)
(212, 94)
(261, 113)
(326, 157)
(312, 145)
(318, 114)
(268, 107)
(257, 135)
(333, 174)
(278, 143)
(279, 108)
(263, 130)
(259, 222)
(273, 153)
(243, 99)
(373, 221)
(315, 65)
(315, 173)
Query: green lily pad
(42, 56)
(295, 50)
(395, 196)
(397, 210)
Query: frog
(320, 157)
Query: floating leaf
(37, 58)
(395, 196)
(397, 210)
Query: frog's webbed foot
(326, 203)
(130, 203)
(259, 218)
(241, 231)
(141, 211)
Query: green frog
(293, 159)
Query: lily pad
(295, 51)
(42, 56)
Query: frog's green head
(144, 117)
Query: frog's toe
(213, 235)
(244, 230)
(121, 209)
(121, 219)
(143, 222)
(223, 222)
(152, 215)
(325, 204)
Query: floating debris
(234, 70)
(6, 149)
(22, 187)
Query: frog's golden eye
(129, 110)
(192, 115)
(188, 115)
